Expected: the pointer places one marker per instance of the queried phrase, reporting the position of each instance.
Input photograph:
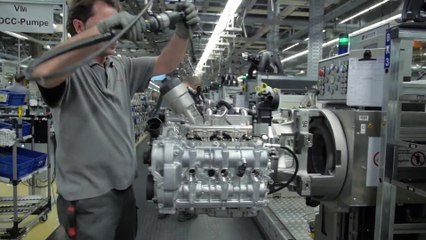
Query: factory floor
(150, 226)
(202, 227)
(289, 209)
(40, 231)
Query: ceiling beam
(252, 20)
(342, 9)
(298, 3)
(205, 6)
(300, 14)
(247, 5)
(283, 14)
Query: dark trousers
(110, 216)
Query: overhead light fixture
(364, 11)
(16, 35)
(375, 25)
(334, 41)
(306, 39)
(61, 14)
(292, 46)
(331, 42)
(228, 13)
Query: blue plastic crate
(28, 161)
(11, 98)
(26, 127)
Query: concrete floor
(202, 227)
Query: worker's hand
(122, 20)
(191, 19)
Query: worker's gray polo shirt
(94, 127)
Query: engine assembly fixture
(218, 167)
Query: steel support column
(316, 21)
(274, 34)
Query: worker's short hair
(19, 77)
(83, 10)
(193, 81)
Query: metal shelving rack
(15, 209)
(398, 90)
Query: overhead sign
(26, 17)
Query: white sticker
(363, 118)
(372, 177)
(3, 97)
(363, 128)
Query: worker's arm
(118, 22)
(64, 60)
(171, 55)
(175, 50)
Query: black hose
(265, 60)
(284, 185)
(222, 103)
(84, 43)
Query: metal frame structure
(21, 207)
(397, 90)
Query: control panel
(333, 79)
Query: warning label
(407, 158)
(418, 159)
(376, 159)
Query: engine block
(219, 178)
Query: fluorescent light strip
(292, 46)
(331, 42)
(16, 35)
(228, 13)
(375, 25)
(364, 11)
(295, 56)
(306, 51)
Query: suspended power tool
(264, 62)
(414, 11)
(154, 23)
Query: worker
(194, 85)
(95, 155)
(19, 86)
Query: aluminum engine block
(219, 178)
